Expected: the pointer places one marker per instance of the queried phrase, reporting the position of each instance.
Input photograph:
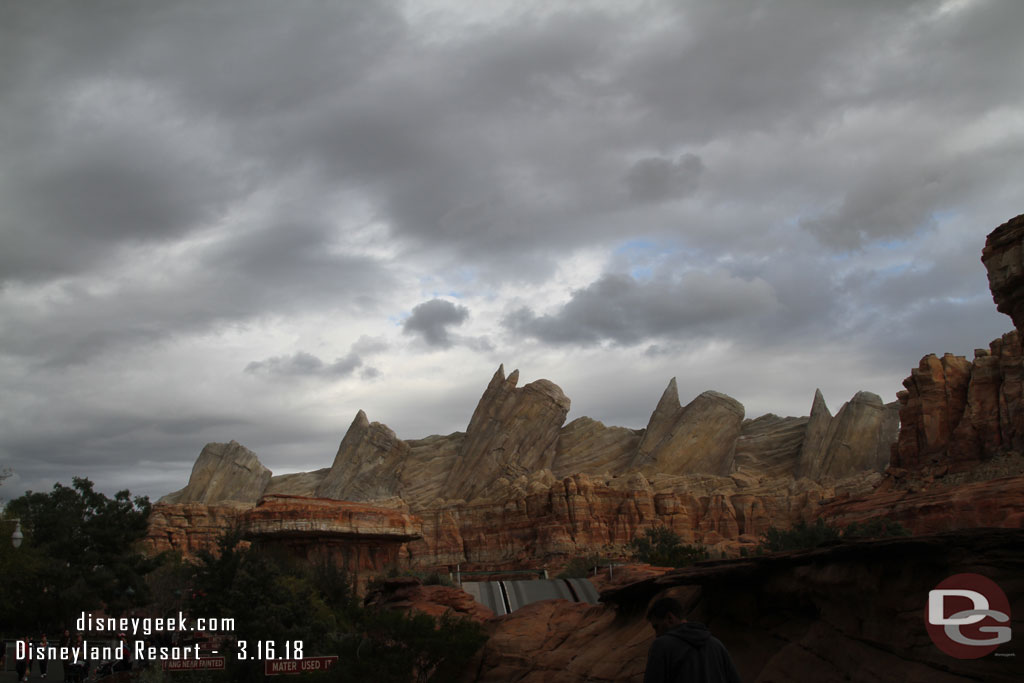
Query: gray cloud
(431, 320)
(303, 364)
(657, 179)
(620, 309)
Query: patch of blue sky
(945, 215)
(840, 256)
(637, 245)
(893, 244)
(642, 272)
(894, 269)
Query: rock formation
(223, 472)
(512, 432)
(357, 537)
(700, 437)
(367, 464)
(1003, 257)
(406, 593)
(518, 486)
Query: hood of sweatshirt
(692, 633)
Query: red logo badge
(967, 616)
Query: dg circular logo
(964, 614)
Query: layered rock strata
(359, 538)
(512, 432)
(956, 413)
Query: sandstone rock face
(512, 432)
(298, 484)
(280, 516)
(367, 465)
(956, 413)
(578, 515)
(190, 527)
(815, 443)
(1003, 257)
(771, 445)
(223, 472)
(430, 461)
(558, 640)
(698, 438)
(360, 538)
(858, 438)
(938, 508)
(408, 593)
(586, 445)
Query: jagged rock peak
(223, 472)
(856, 439)
(367, 463)
(669, 398)
(699, 438)
(512, 432)
(818, 405)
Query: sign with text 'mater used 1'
(275, 667)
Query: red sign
(274, 667)
(201, 664)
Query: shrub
(663, 547)
(879, 527)
(580, 567)
(803, 535)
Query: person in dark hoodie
(684, 651)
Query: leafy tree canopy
(79, 553)
(663, 547)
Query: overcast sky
(248, 219)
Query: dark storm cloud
(657, 179)
(623, 310)
(303, 364)
(245, 277)
(73, 197)
(431, 320)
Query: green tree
(663, 547)
(80, 553)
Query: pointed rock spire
(660, 423)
